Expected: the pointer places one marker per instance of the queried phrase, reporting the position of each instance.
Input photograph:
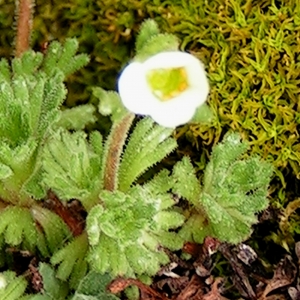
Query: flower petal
(176, 112)
(174, 118)
(138, 97)
(172, 59)
(133, 89)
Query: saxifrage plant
(128, 224)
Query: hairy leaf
(234, 190)
(63, 57)
(110, 104)
(15, 233)
(186, 183)
(147, 145)
(71, 261)
(71, 167)
(55, 231)
(149, 29)
(76, 118)
(93, 287)
(52, 286)
(156, 44)
(11, 286)
(125, 233)
(31, 91)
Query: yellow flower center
(167, 83)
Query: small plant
(130, 221)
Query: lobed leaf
(93, 287)
(110, 104)
(11, 286)
(148, 29)
(71, 262)
(147, 145)
(52, 286)
(77, 118)
(125, 233)
(234, 190)
(55, 231)
(63, 57)
(71, 168)
(186, 183)
(156, 44)
(16, 233)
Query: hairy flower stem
(115, 144)
(24, 23)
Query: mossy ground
(252, 56)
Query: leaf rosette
(127, 230)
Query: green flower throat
(167, 83)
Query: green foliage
(72, 166)
(31, 93)
(11, 286)
(250, 56)
(233, 191)
(52, 286)
(148, 144)
(203, 114)
(71, 259)
(76, 118)
(127, 224)
(15, 233)
(64, 58)
(48, 237)
(54, 231)
(125, 233)
(186, 183)
(110, 104)
(93, 287)
(157, 43)
(148, 29)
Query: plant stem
(115, 144)
(24, 24)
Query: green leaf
(63, 57)
(110, 104)
(77, 118)
(71, 260)
(93, 287)
(156, 44)
(203, 114)
(34, 185)
(5, 171)
(126, 231)
(148, 30)
(147, 145)
(71, 167)
(234, 191)
(36, 297)
(186, 183)
(16, 233)
(27, 64)
(11, 286)
(55, 230)
(5, 73)
(53, 287)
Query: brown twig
(119, 284)
(24, 24)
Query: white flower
(168, 86)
